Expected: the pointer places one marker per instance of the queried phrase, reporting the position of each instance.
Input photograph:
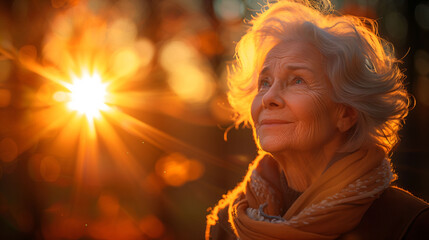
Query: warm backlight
(88, 95)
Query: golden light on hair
(333, 35)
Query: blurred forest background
(153, 167)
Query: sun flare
(93, 73)
(88, 95)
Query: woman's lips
(272, 122)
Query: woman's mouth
(269, 122)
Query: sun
(88, 95)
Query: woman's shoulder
(419, 229)
(396, 214)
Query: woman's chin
(274, 146)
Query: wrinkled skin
(293, 109)
(294, 117)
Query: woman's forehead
(294, 54)
(295, 49)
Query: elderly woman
(325, 98)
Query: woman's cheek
(256, 108)
(301, 105)
(309, 110)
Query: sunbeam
(92, 76)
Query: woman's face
(292, 109)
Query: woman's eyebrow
(290, 67)
(264, 70)
(298, 67)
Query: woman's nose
(273, 97)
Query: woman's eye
(298, 80)
(264, 83)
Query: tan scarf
(334, 204)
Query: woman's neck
(302, 168)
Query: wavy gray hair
(362, 70)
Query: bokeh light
(176, 169)
(61, 96)
(8, 150)
(5, 97)
(421, 60)
(108, 205)
(50, 169)
(152, 227)
(189, 77)
(125, 62)
(121, 32)
(229, 10)
(422, 15)
(145, 50)
(153, 159)
(6, 68)
(27, 54)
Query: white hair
(362, 70)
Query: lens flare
(93, 70)
(88, 95)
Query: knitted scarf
(334, 204)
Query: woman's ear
(347, 118)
